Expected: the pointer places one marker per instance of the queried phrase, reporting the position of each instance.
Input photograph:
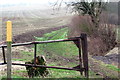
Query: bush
(100, 40)
(108, 34)
(104, 41)
(80, 24)
(37, 71)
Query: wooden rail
(41, 42)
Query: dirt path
(97, 67)
(112, 57)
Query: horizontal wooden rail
(2, 63)
(82, 69)
(42, 42)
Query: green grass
(27, 53)
(26, 56)
(57, 73)
(63, 49)
(19, 59)
(104, 69)
(112, 67)
(67, 49)
(110, 70)
(54, 73)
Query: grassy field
(66, 49)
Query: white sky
(34, 1)
(43, 4)
(5, 2)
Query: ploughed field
(31, 20)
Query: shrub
(37, 71)
(101, 39)
(108, 34)
(80, 24)
(104, 41)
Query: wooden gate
(81, 43)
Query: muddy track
(105, 72)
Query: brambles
(80, 24)
(101, 40)
(37, 71)
(108, 34)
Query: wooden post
(85, 53)
(35, 51)
(80, 58)
(77, 43)
(9, 42)
(3, 50)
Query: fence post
(80, 58)
(85, 53)
(3, 50)
(9, 42)
(35, 51)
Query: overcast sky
(10, 4)
(5, 2)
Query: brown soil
(29, 36)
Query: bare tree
(85, 7)
(93, 9)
